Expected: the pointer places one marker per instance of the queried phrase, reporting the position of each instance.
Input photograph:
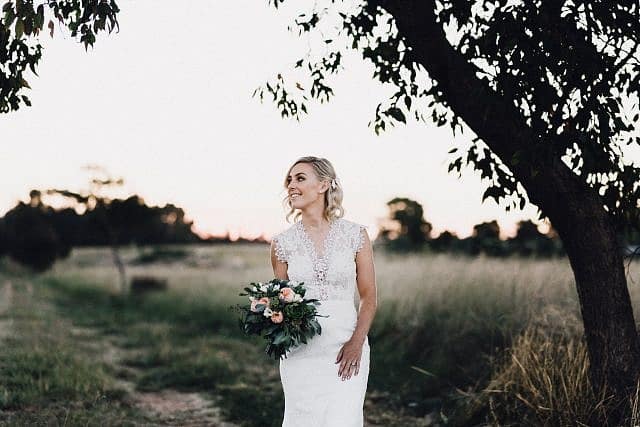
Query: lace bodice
(330, 275)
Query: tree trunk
(596, 259)
(120, 265)
(574, 208)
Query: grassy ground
(444, 342)
(46, 375)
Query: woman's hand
(349, 354)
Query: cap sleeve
(359, 237)
(280, 249)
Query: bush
(158, 254)
(30, 239)
(141, 285)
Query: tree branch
(491, 116)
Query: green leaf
(19, 28)
(397, 114)
(280, 338)
(9, 17)
(407, 101)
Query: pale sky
(166, 104)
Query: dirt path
(168, 406)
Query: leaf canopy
(570, 70)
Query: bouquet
(279, 312)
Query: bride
(325, 380)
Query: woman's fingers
(343, 368)
(349, 364)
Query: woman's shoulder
(285, 232)
(351, 224)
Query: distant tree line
(36, 235)
(407, 230)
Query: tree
(413, 231)
(21, 24)
(530, 241)
(542, 86)
(486, 238)
(93, 200)
(29, 236)
(445, 241)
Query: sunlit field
(456, 340)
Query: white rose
(267, 312)
(254, 289)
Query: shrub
(141, 285)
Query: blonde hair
(324, 171)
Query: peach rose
(254, 303)
(287, 294)
(277, 317)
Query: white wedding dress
(315, 396)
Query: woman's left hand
(349, 354)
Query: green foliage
(298, 323)
(20, 26)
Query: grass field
(461, 341)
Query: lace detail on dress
(281, 253)
(320, 263)
(330, 275)
(360, 238)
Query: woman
(325, 380)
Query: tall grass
(481, 340)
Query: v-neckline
(324, 242)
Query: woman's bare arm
(366, 280)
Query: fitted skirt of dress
(315, 396)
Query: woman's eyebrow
(299, 173)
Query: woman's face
(304, 188)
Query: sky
(167, 105)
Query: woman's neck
(314, 221)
